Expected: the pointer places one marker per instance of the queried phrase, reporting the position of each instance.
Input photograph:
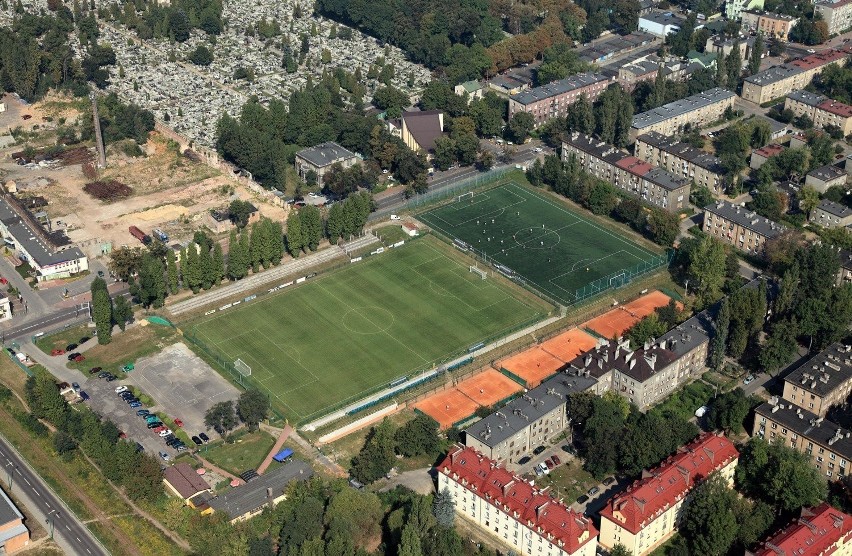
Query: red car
(555, 459)
(549, 464)
(159, 429)
(56, 352)
(178, 423)
(79, 359)
(122, 434)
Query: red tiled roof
(634, 165)
(769, 150)
(534, 508)
(835, 107)
(671, 481)
(820, 58)
(814, 533)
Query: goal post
(476, 270)
(468, 195)
(242, 367)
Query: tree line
(174, 21)
(251, 408)
(601, 197)
(83, 431)
(385, 441)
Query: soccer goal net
(242, 367)
(476, 270)
(468, 195)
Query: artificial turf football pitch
(337, 337)
(558, 251)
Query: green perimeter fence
(456, 188)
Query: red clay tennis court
(532, 365)
(447, 407)
(489, 387)
(615, 322)
(568, 345)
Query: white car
(165, 432)
(394, 217)
(120, 389)
(811, 51)
(537, 149)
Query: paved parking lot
(182, 386)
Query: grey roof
(44, 247)
(689, 334)
(845, 259)
(774, 125)
(834, 209)
(558, 87)
(252, 495)
(684, 151)
(425, 126)
(825, 371)
(520, 412)
(8, 510)
(325, 154)
(679, 107)
(807, 97)
(745, 218)
(809, 426)
(592, 146)
(664, 18)
(506, 82)
(643, 67)
(827, 173)
(770, 15)
(772, 75)
(666, 180)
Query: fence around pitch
(623, 277)
(456, 188)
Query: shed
(283, 454)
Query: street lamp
(10, 471)
(50, 520)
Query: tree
(619, 550)
(729, 410)
(410, 543)
(124, 262)
(205, 268)
(172, 272)
(418, 436)
(102, 310)
(312, 229)
(376, 458)
(709, 523)
(467, 146)
(647, 328)
(520, 126)
(218, 268)
(192, 273)
(253, 407)
(122, 312)
(580, 116)
(443, 508)
(445, 152)
(707, 270)
(355, 515)
(240, 211)
(295, 240)
(663, 226)
(720, 338)
(64, 443)
(756, 54)
(201, 56)
(334, 222)
(221, 417)
(152, 282)
(808, 199)
(780, 346)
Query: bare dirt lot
(169, 191)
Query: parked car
(593, 491)
(203, 437)
(556, 460)
(165, 456)
(140, 447)
(150, 418)
(196, 440)
(549, 463)
(70, 347)
(539, 450)
(609, 480)
(524, 460)
(73, 356)
(83, 340)
(110, 378)
(131, 400)
(94, 370)
(165, 432)
(79, 358)
(143, 412)
(568, 449)
(749, 379)
(75, 386)
(181, 448)
(134, 405)
(178, 423)
(583, 499)
(154, 425)
(160, 428)
(83, 395)
(104, 374)
(120, 389)
(55, 352)
(122, 434)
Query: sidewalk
(219, 470)
(282, 438)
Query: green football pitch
(556, 250)
(337, 337)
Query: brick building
(512, 510)
(552, 100)
(771, 24)
(649, 511)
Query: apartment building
(527, 422)
(829, 214)
(649, 374)
(670, 119)
(745, 230)
(779, 81)
(512, 510)
(552, 100)
(827, 444)
(824, 177)
(771, 24)
(49, 254)
(648, 513)
(632, 74)
(818, 531)
(722, 45)
(825, 380)
(636, 177)
(682, 159)
(837, 14)
(320, 158)
(734, 8)
(821, 109)
(761, 155)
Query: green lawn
(340, 336)
(246, 453)
(61, 339)
(559, 251)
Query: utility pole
(99, 140)
(51, 519)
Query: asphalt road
(69, 533)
